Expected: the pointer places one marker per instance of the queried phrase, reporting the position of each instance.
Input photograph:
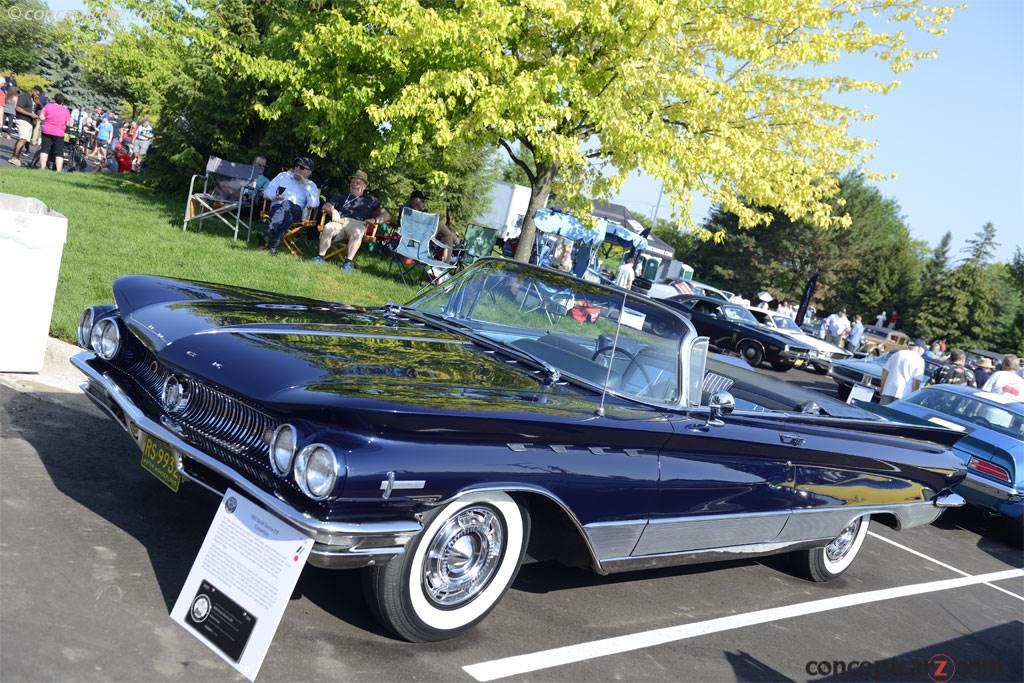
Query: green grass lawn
(118, 227)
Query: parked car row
(511, 414)
(867, 372)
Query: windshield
(737, 313)
(570, 324)
(787, 324)
(972, 410)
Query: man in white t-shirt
(1006, 381)
(625, 275)
(903, 372)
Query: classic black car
(733, 328)
(822, 353)
(511, 414)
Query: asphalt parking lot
(93, 552)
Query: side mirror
(721, 403)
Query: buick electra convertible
(512, 414)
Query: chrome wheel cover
(842, 543)
(463, 557)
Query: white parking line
(941, 564)
(546, 659)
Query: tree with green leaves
(24, 32)
(734, 101)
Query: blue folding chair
(417, 233)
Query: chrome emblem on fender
(174, 395)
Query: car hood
(866, 367)
(774, 336)
(816, 343)
(291, 354)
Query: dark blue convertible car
(511, 414)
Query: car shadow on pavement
(90, 459)
(992, 654)
(997, 536)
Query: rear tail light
(985, 467)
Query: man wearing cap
(350, 212)
(291, 194)
(903, 372)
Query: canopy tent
(555, 222)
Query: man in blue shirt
(291, 195)
(856, 334)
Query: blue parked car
(511, 414)
(992, 448)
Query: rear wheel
(830, 561)
(454, 572)
(781, 365)
(752, 353)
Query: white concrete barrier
(31, 245)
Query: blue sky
(953, 133)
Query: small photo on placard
(220, 620)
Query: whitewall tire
(455, 571)
(829, 562)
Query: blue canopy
(556, 222)
(623, 235)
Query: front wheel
(830, 561)
(752, 352)
(454, 572)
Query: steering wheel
(633, 363)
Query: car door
(720, 486)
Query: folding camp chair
(418, 230)
(213, 202)
(311, 217)
(478, 243)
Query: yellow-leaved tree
(732, 98)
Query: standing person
(1006, 380)
(956, 372)
(25, 117)
(144, 136)
(903, 372)
(349, 215)
(934, 352)
(836, 325)
(982, 371)
(10, 116)
(893, 319)
(291, 195)
(104, 134)
(625, 275)
(856, 334)
(41, 101)
(55, 118)
(880, 320)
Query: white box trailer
(507, 209)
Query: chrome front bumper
(337, 545)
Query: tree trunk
(539, 192)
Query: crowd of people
(40, 125)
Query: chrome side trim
(327, 533)
(615, 539)
(697, 532)
(626, 564)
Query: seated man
(291, 195)
(418, 202)
(349, 215)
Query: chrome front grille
(845, 373)
(212, 420)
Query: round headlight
(282, 448)
(316, 471)
(85, 327)
(106, 338)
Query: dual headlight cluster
(103, 336)
(314, 468)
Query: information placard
(238, 588)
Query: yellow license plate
(158, 459)
(798, 362)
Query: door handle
(791, 440)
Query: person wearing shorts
(349, 215)
(25, 117)
(55, 117)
